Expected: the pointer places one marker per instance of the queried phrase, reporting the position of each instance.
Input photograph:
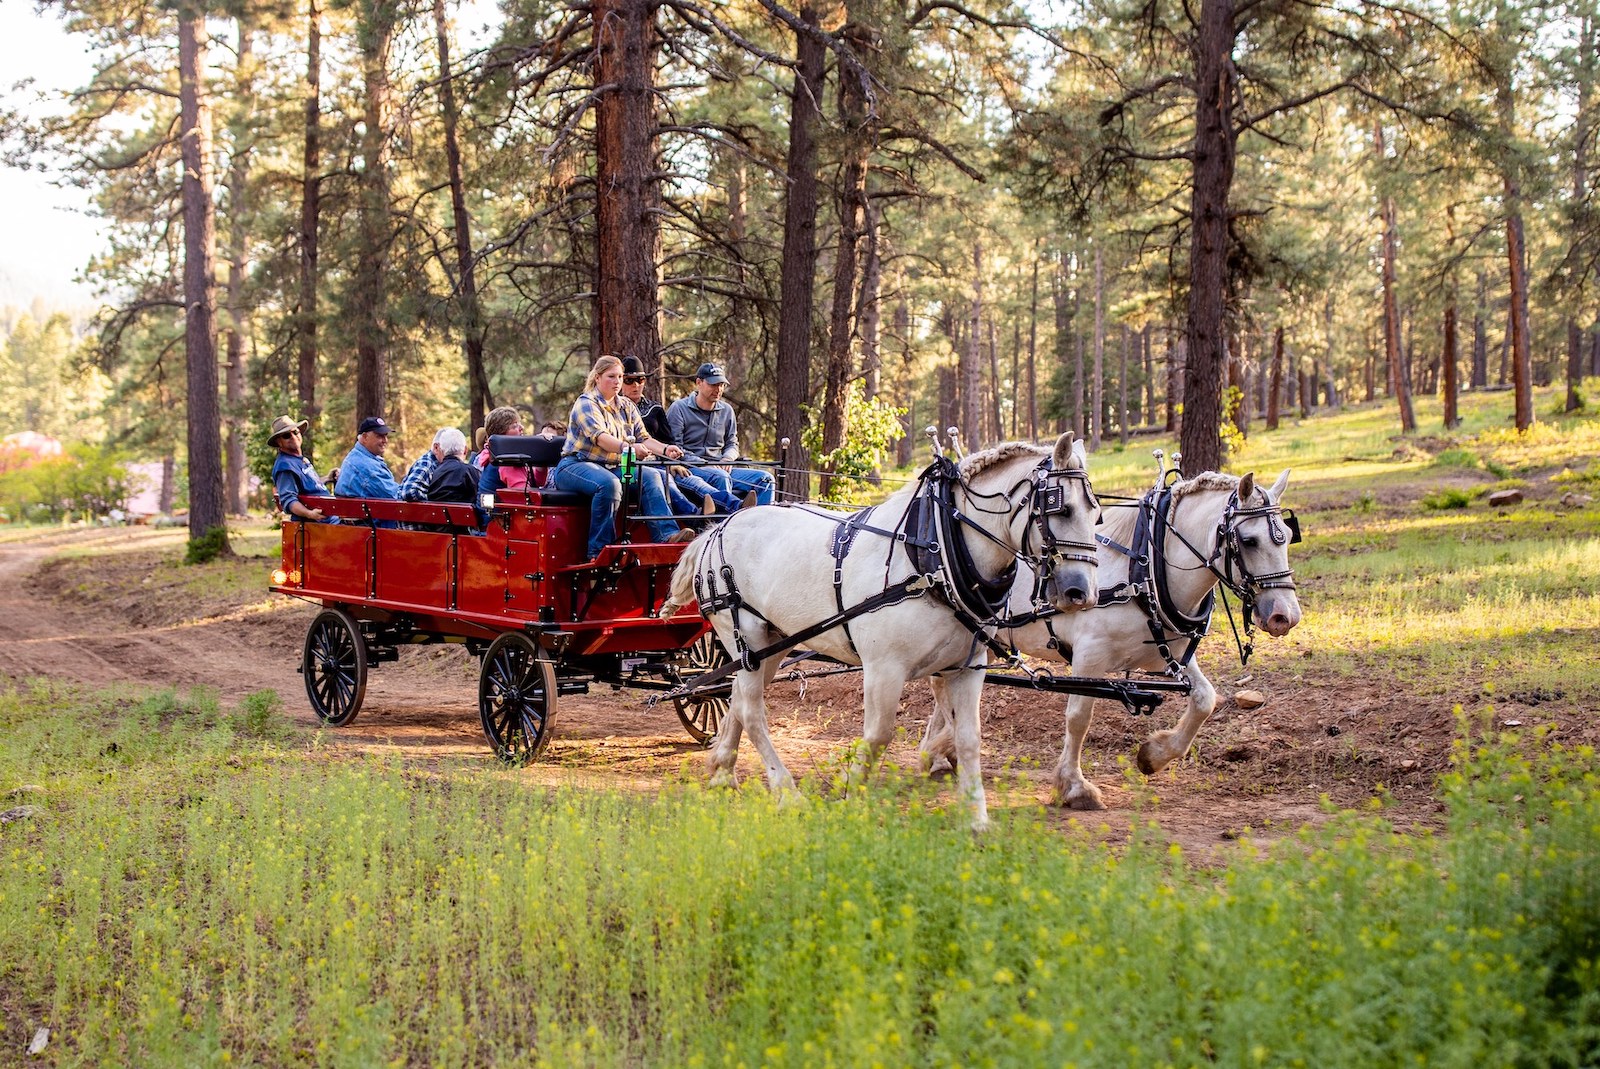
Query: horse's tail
(682, 588)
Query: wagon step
(620, 556)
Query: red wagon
(516, 590)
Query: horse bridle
(1047, 496)
(1235, 574)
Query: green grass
(195, 894)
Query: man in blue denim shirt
(293, 477)
(363, 473)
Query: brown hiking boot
(708, 507)
(751, 500)
(682, 535)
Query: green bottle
(628, 466)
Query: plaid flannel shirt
(592, 416)
(415, 485)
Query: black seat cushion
(525, 450)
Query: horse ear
(1275, 492)
(1065, 452)
(1247, 486)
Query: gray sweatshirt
(711, 435)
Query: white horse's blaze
(782, 565)
(1116, 637)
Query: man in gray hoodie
(703, 424)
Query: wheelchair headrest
(525, 450)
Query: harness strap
(909, 587)
(843, 538)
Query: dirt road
(127, 616)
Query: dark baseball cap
(373, 423)
(632, 368)
(711, 373)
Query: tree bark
(851, 205)
(971, 417)
(997, 430)
(1033, 342)
(627, 177)
(1097, 387)
(1275, 387)
(799, 266)
(1448, 366)
(870, 312)
(1399, 381)
(1215, 147)
(310, 210)
(480, 398)
(1480, 335)
(1174, 381)
(1122, 389)
(235, 461)
(199, 287)
(370, 310)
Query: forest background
(1014, 219)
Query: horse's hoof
(724, 778)
(940, 768)
(1146, 765)
(1085, 798)
(790, 797)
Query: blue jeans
(684, 505)
(586, 477)
(740, 481)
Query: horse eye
(1249, 541)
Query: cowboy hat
(283, 425)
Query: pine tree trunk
(1016, 378)
(1096, 388)
(971, 414)
(1275, 387)
(1448, 367)
(1033, 342)
(480, 399)
(870, 311)
(851, 205)
(1399, 383)
(1122, 388)
(1174, 381)
(370, 311)
(1480, 335)
(627, 176)
(1215, 147)
(235, 461)
(310, 211)
(996, 429)
(902, 330)
(206, 512)
(738, 344)
(799, 265)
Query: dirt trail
(114, 623)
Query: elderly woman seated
(602, 425)
(453, 479)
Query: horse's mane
(980, 462)
(1119, 521)
(1206, 480)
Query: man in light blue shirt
(363, 473)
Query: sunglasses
(633, 378)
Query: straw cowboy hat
(283, 425)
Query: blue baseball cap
(373, 423)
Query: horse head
(1255, 536)
(1063, 516)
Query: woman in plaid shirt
(602, 424)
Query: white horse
(1212, 528)
(775, 573)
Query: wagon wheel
(702, 714)
(334, 663)
(517, 698)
